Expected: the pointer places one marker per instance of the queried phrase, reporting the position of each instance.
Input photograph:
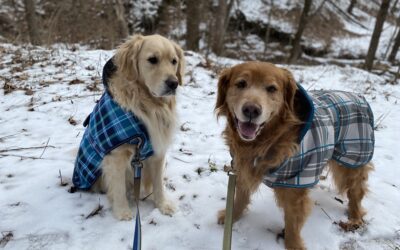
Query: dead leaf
(184, 128)
(75, 81)
(95, 211)
(6, 237)
(29, 92)
(72, 121)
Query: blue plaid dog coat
(339, 126)
(109, 126)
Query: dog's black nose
(251, 111)
(172, 83)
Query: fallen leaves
(72, 121)
(6, 237)
(75, 81)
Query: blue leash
(137, 166)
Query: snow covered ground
(58, 87)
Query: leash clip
(136, 162)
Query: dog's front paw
(351, 225)
(221, 216)
(123, 213)
(166, 207)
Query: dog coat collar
(109, 126)
(339, 126)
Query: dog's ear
(126, 57)
(290, 89)
(180, 73)
(223, 82)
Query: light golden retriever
(149, 70)
(258, 100)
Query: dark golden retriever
(264, 118)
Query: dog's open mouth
(248, 130)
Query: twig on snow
(176, 158)
(6, 237)
(63, 184)
(95, 211)
(19, 149)
(323, 210)
(380, 120)
(47, 143)
(22, 156)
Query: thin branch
(22, 156)
(326, 214)
(45, 147)
(380, 120)
(176, 158)
(19, 149)
(317, 10)
(346, 15)
(4, 137)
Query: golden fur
(140, 86)
(278, 126)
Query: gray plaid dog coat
(339, 126)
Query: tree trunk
(394, 7)
(351, 6)
(165, 17)
(268, 31)
(373, 45)
(193, 10)
(221, 24)
(119, 10)
(395, 48)
(31, 21)
(296, 48)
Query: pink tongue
(248, 129)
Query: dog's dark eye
(174, 61)
(153, 60)
(271, 89)
(241, 84)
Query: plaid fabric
(109, 127)
(339, 127)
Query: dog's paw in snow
(167, 207)
(123, 213)
(221, 216)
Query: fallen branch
(24, 157)
(19, 149)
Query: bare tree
(221, 25)
(296, 47)
(268, 31)
(373, 45)
(395, 48)
(394, 7)
(351, 6)
(193, 10)
(30, 17)
(122, 25)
